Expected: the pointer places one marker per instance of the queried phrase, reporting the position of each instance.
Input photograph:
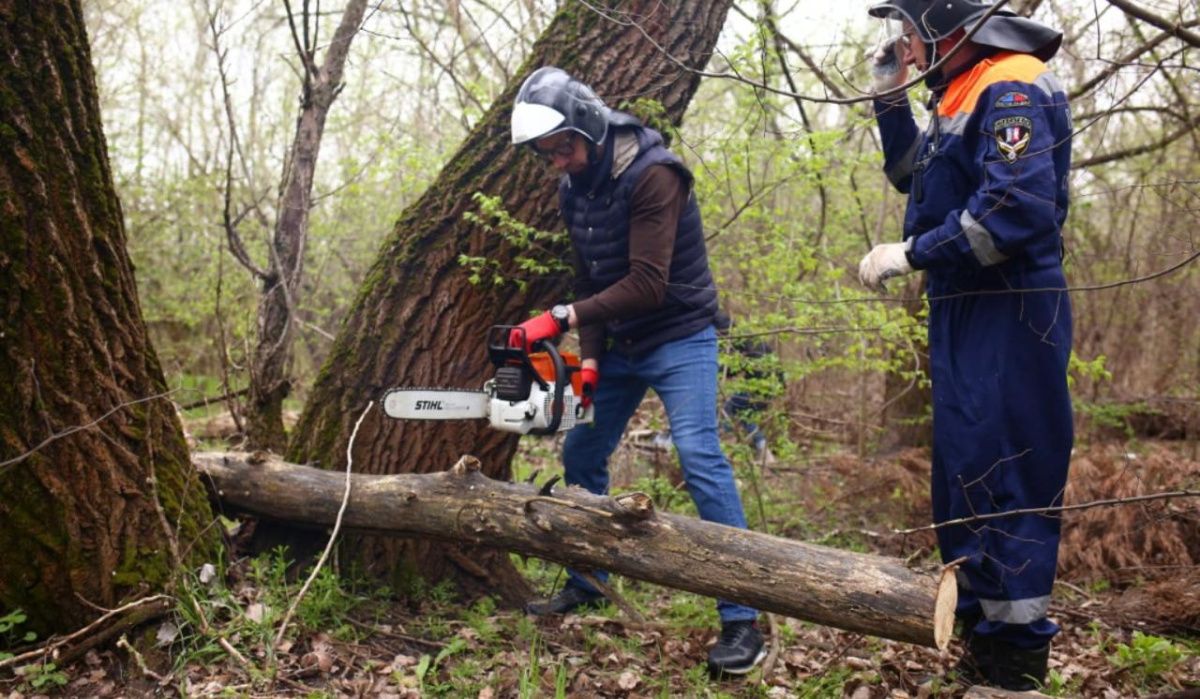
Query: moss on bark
(99, 470)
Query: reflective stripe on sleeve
(904, 167)
(953, 125)
(1050, 84)
(981, 241)
(1016, 611)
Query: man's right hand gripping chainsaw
(530, 393)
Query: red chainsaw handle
(559, 371)
(543, 364)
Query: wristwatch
(562, 315)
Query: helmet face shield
(531, 121)
(892, 31)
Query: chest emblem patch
(1013, 99)
(1012, 136)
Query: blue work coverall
(987, 185)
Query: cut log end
(943, 607)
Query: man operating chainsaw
(987, 197)
(645, 304)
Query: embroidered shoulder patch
(1012, 136)
(1013, 99)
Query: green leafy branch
(538, 252)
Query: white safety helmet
(551, 101)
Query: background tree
(282, 276)
(100, 502)
(419, 320)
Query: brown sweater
(658, 200)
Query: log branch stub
(636, 505)
(466, 464)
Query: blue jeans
(683, 373)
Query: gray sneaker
(738, 650)
(569, 599)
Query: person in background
(747, 406)
(645, 303)
(987, 198)
(741, 410)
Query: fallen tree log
(857, 592)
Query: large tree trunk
(419, 320)
(270, 370)
(95, 475)
(853, 591)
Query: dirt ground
(1128, 599)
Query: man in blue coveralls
(987, 186)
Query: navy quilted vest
(598, 221)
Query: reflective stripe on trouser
(683, 373)
(1002, 441)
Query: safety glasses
(563, 150)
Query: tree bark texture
(270, 380)
(98, 498)
(852, 591)
(418, 321)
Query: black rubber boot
(966, 671)
(738, 650)
(965, 623)
(1002, 665)
(569, 599)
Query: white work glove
(882, 263)
(889, 69)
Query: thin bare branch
(936, 66)
(154, 604)
(1172, 495)
(1175, 28)
(301, 45)
(1116, 65)
(1142, 149)
(337, 526)
(462, 89)
(77, 428)
(229, 221)
(822, 193)
(209, 400)
(799, 50)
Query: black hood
(1009, 32)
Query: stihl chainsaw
(530, 393)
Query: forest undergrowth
(1128, 599)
